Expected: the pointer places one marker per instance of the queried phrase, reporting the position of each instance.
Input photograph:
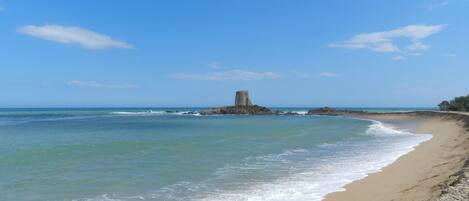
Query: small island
(243, 105)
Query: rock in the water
(322, 110)
(252, 110)
(243, 105)
(333, 112)
(290, 113)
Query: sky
(181, 53)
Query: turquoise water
(143, 154)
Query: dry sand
(421, 174)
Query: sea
(169, 154)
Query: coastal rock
(290, 113)
(334, 112)
(322, 110)
(457, 188)
(283, 113)
(243, 105)
(252, 110)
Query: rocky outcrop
(331, 111)
(321, 110)
(251, 110)
(457, 188)
(243, 105)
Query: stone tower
(242, 99)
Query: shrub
(460, 103)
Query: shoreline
(428, 172)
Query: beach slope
(433, 171)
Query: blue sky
(197, 53)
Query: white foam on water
(302, 112)
(331, 175)
(149, 112)
(378, 128)
(290, 180)
(106, 197)
(152, 112)
(16, 121)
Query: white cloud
(94, 84)
(384, 41)
(227, 75)
(73, 35)
(318, 75)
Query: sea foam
(152, 112)
(330, 173)
(323, 170)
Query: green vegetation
(457, 104)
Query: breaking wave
(158, 112)
(297, 174)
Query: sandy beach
(423, 174)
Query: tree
(444, 105)
(460, 103)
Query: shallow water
(140, 154)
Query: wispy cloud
(94, 84)
(318, 75)
(73, 35)
(417, 46)
(385, 41)
(398, 58)
(437, 4)
(227, 75)
(328, 74)
(451, 55)
(2, 9)
(214, 65)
